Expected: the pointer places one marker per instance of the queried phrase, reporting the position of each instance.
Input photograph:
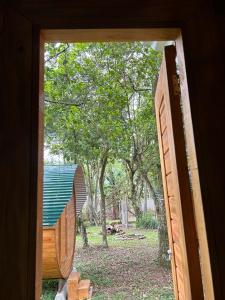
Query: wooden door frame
(128, 34)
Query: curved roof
(57, 191)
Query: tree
(99, 109)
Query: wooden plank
(72, 285)
(50, 261)
(180, 180)
(163, 120)
(165, 141)
(159, 104)
(177, 192)
(167, 162)
(106, 35)
(63, 237)
(193, 169)
(83, 289)
(176, 234)
(170, 184)
(178, 255)
(180, 280)
(66, 236)
(173, 207)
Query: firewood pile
(113, 229)
(121, 235)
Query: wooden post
(72, 285)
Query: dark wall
(203, 27)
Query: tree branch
(57, 54)
(135, 88)
(63, 103)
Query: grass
(127, 270)
(95, 238)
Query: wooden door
(177, 194)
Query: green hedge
(147, 221)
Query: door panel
(178, 201)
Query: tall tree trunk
(102, 193)
(96, 200)
(133, 198)
(161, 218)
(145, 198)
(90, 196)
(124, 212)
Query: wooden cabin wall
(51, 268)
(65, 238)
(202, 24)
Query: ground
(127, 270)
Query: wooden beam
(110, 35)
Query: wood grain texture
(67, 241)
(180, 217)
(72, 285)
(194, 177)
(159, 103)
(202, 30)
(51, 268)
(109, 35)
(59, 244)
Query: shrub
(147, 221)
(49, 289)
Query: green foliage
(99, 99)
(98, 96)
(49, 289)
(147, 221)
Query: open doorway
(99, 114)
(181, 279)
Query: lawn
(127, 270)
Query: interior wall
(202, 26)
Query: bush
(147, 221)
(49, 289)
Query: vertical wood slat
(159, 108)
(195, 182)
(63, 236)
(180, 216)
(40, 107)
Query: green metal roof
(57, 191)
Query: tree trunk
(145, 209)
(133, 198)
(90, 196)
(96, 200)
(124, 213)
(115, 211)
(102, 193)
(161, 218)
(83, 232)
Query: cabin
(64, 194)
